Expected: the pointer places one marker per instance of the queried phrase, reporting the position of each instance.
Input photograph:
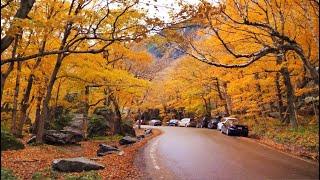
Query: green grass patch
(7, 174)
(91, 175)
(46, 174)
(107, 138)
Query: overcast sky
(164, 7)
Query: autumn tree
(244, 32)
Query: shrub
(7, 174)
(97, 126)
(9, 142)
(62, 118)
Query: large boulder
(76, 124)
(106, 149)
(75, 165)
(62, 137)
(128, 140)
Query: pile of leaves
(34, 162)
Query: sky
(163, 7)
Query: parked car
(142, 122)
(204, 122)
(173, 122)
(213, 123)
(187, 122)
(232, 127)
(223, 120)
(155, 122)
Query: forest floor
(34, 162)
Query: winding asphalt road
(200, 154)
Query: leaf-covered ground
(34, 162)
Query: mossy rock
(9, 142)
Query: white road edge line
(153, 154)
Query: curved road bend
(201, 154)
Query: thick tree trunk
(117, 120)
(45, 109)
(290, 97)
(16, 131)
(38, 115)
(279, 95)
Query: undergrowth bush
(7, 174)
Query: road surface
(200, 154)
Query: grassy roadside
(302, 141)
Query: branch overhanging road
(200, 154)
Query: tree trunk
(38, 115)
(139, 119)
(25, 104)
(25, 100)
(222, 98)
(16, 92)
(45, 109)
(290, 97)
(258, 89)
(86, 111)
(14, 130)
(4, 78)
(279, 95)
(117, 120)
(227, 99)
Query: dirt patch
(25, 163)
